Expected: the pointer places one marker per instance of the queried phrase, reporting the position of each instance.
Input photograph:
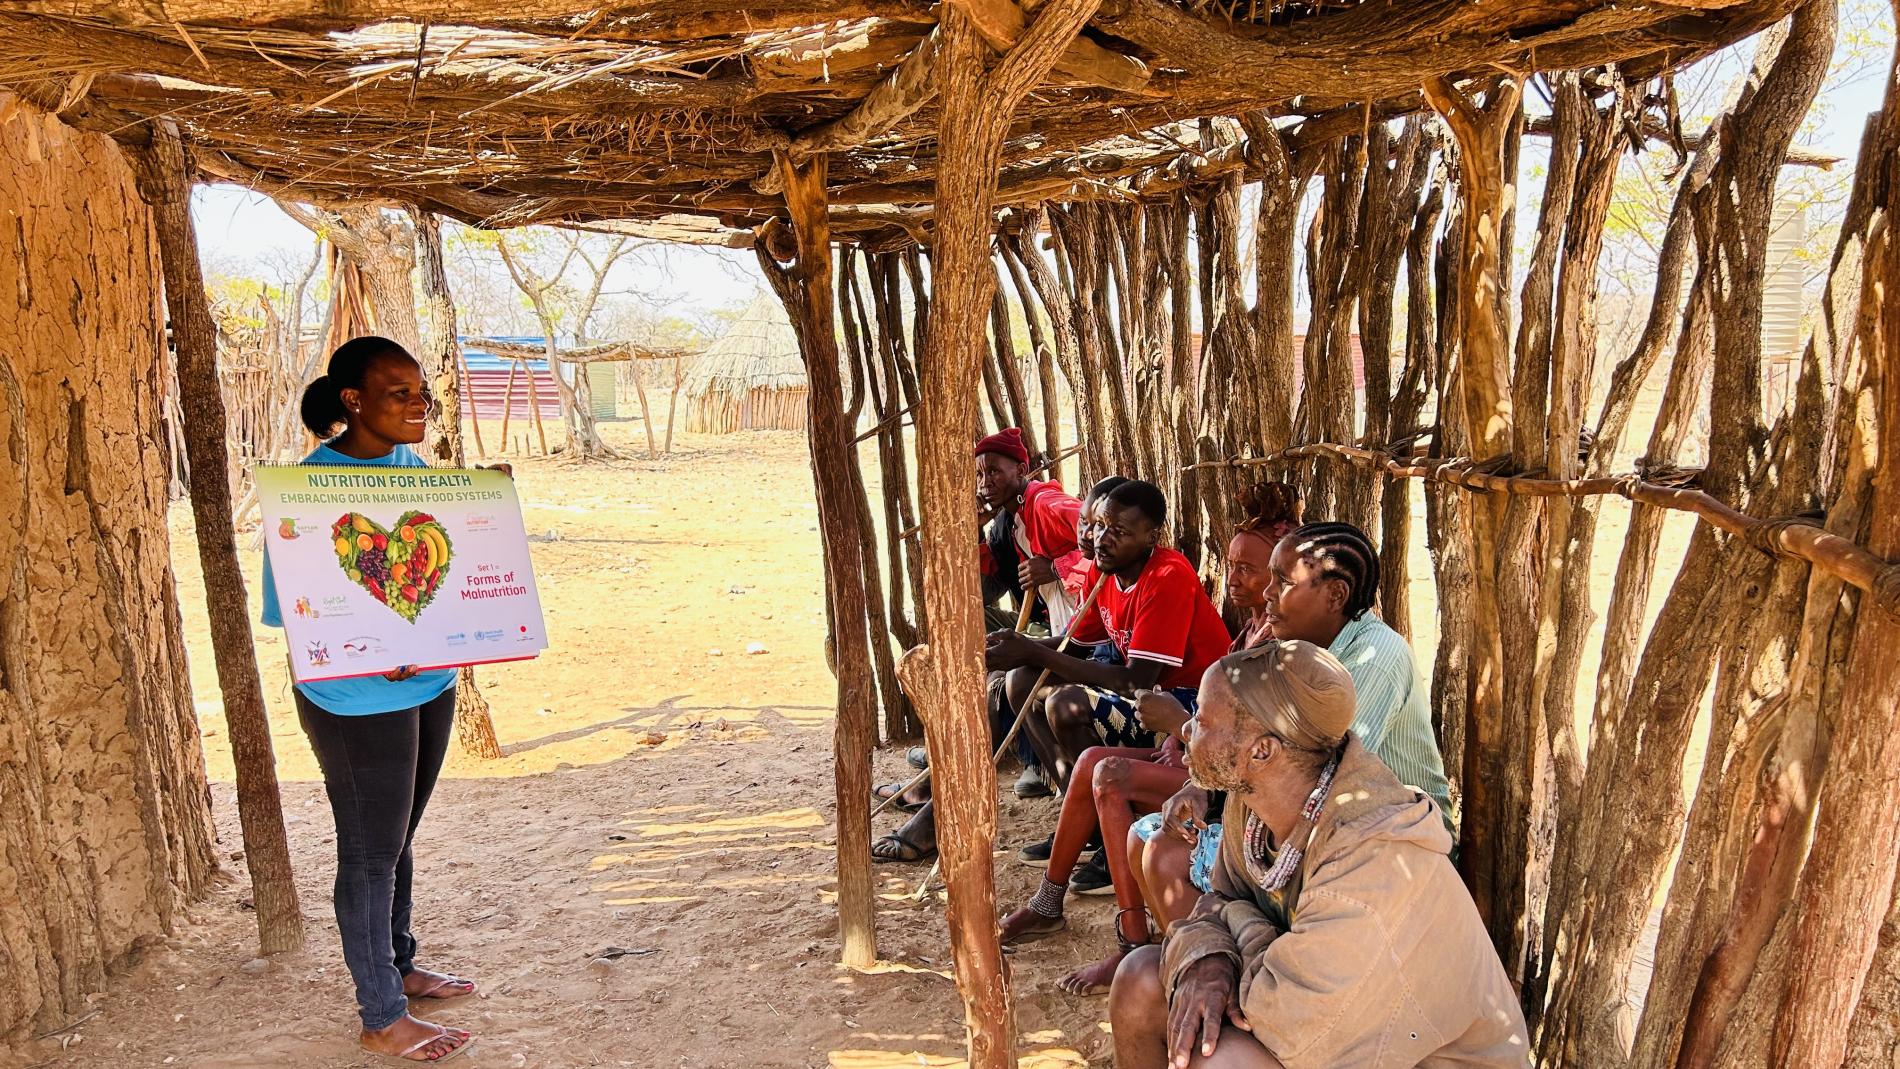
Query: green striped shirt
(1394, 714)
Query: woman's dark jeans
(378, 771)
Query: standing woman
(380, 740)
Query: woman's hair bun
(1267, 505)
(322, 408)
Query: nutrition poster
(377, 568)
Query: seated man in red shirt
(1154, 612)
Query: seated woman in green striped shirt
(1325, 577)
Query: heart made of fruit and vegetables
(402, 568)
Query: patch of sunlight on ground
(783, 820)
(879, 967)
(1049, 1058)
(737, 883)
(669, 854)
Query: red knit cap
(1008, 442)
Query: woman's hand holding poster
(379, 567)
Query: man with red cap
(1036, 527)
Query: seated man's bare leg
(915, 840)
(1138, 1017)
(1171, 894)
(1137, 852)
(1041, 738)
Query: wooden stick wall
(1159, 335)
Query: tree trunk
(105, 816)
(381, 246)
(442, 363)
(166, 185)
(805, 289)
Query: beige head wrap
(1300, 693)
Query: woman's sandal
(463, 1040)
(902, 850)
(883, 791)
(459, 988)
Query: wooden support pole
(1851, 867)
(806, 289)
(673, 399)
(508, 401)
(1485, 408)
(946, 676)
(534, 399)
(467, 383)
(165, 181)
(646, 413)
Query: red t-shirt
(1162, 616)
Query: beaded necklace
(1291, 851)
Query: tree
(555, 303)
(381, 243)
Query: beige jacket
(1384, 964)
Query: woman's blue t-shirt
(366, 695)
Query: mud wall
(105, 827)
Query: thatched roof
(578, 354)
(668, 111)
(759, 351)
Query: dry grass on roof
(758, 351)
(546, 111)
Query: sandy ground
(665, 800)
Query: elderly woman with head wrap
(1337, 932)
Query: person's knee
(1236, 1050)
(1070, 706)
(1111, 777)
(1135, 998)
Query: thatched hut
(751, 378)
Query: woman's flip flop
(458, 988)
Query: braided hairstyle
(1342, 552)
(1271, 511)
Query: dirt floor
(644, 879)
